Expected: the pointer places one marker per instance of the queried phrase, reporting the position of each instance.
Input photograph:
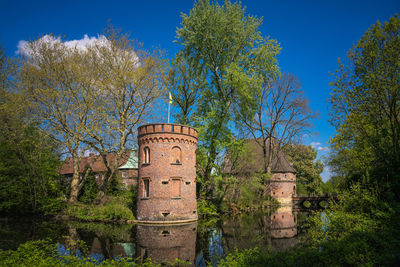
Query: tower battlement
(167, 128)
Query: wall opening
(146, 155)
(146, 187)
(165, 232)
(176, 155)
(164, 182)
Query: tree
(308, 176)
(227, 44)
(92, 97)
(279, 116)
(28, 157)
(57, 80)
(131, 80)
(185, 81)
(365, 109)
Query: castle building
(127, 170)
(282, 184)
(167, 173)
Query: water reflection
(282, 228)
(167, 242)
(197, 243)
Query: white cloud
(315, 144)
(320, 148)
(80, 45)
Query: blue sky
(312, 34)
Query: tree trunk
(73, 196)
(269, 159)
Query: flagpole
(169, 105)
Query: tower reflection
(165, 243)
(282, 228)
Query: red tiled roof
(98, 165)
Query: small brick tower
(167, 173)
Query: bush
(89, 190)
(44, 253)
(206, 209)
(110, 211)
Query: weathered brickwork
(128, 177)
(167, 173)
(282, 186)
(167, 243)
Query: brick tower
(167, 173)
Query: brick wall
(169, 178)
(282, 186)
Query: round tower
(167, 173)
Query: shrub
(112, 211)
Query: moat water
(202, 243)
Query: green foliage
(365, 110)
(251, 191)
(115, 186)
(131, 198)
(357, 210)
(308, 176)
(89, 190)
(360, 227)
(206, 209)
(225, 46)
(113, 210)
(44, 253)
(28, 161)
(185, 81)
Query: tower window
(146, 155)
(146, 187)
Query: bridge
(315, 202)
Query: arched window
(146, 155)
(176, 155)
